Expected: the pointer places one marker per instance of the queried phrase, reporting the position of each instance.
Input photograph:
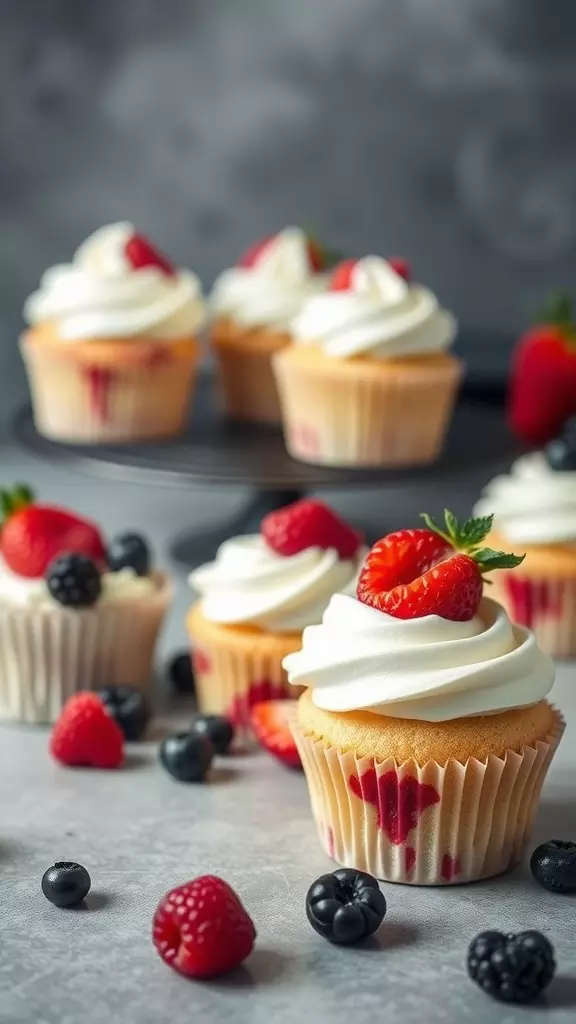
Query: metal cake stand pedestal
(220, 452)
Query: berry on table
(434, 571)
(129, 709)
(141, 254)
(74, 581)
(553, 865)
(181, 674)
(560, 453)
(217, 728)
(202, 929)
(66, 883)
(270, 721)
(346, 906)
(511, 968)
(85, 736)
(187, 756)
(129, 551)
(309, 523)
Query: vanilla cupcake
(74, 613)
(425, 737)
(534, 506)
(252, 306)
(368, 380)
(257, 596)
(111, 352)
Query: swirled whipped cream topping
(430, 669)
(270, 291)
(533, 503)
(379, 315)
(32, 592)
(249, 583)
(102, 294)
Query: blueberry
(74, 581)
(346, 906)
(218, 729)
(128, 708)
(129, 551)
(66, 884)
(187, 756)
(560, 453)
(553, 865)
(511, 968)
(181, 674)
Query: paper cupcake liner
(546, 606)
(232, 675)
(245, 375)
(49, 653)
(364, 418)
(86, 402)
(425, 825)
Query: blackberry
(511, 968)
(129, 551)
(346, 906)
(553, 865)
(74, 581)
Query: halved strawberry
(317, 256)
(141, 253)
(341, 277)
(309, 523)
(437, 571)
(270, 722)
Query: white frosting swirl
(428, 669)
(27, 592)
(101, 295)
(248, 583)
(272, 291)
(380, 315)
(533, 503)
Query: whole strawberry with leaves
(542, 393)
(435, 571)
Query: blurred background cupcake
(534, 508)
(252, 307)
(369, 381)
(257, 596)
(111, 351)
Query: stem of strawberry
(11, 501)
(467, 537)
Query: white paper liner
(476, 825)
(49, 653)
(247, 385)
(546, 605)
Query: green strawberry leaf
(467, 536)
(488, 559)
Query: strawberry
(34, 535)
(86, 736)
(341, 277)
(141, 253)
(202, 929)
(271, 724)
(401, 266)
(309, 524)
(318, 257)
(437, 571)
(542, 393)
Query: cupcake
(74, 615)
(424, 733)
(252, 306)
(534, 505)
(111, 351)
(255, 600)
(369, 381)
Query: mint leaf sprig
(467, 538)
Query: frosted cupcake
(74, 613)
(255, 600)
(252, 307)
(534, 505)
(425, 734)
(369, 381)
(111, 352)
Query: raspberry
(86, 736)
(309, 524)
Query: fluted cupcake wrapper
(429, 824)
(245, 375)
(233, 672)
(49, 653)
(546, 605)
(366, 419)
(89, 402)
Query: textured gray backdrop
(442, 130)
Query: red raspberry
(309, 524)
(201, 928)
(86, 736)
(141, 253)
